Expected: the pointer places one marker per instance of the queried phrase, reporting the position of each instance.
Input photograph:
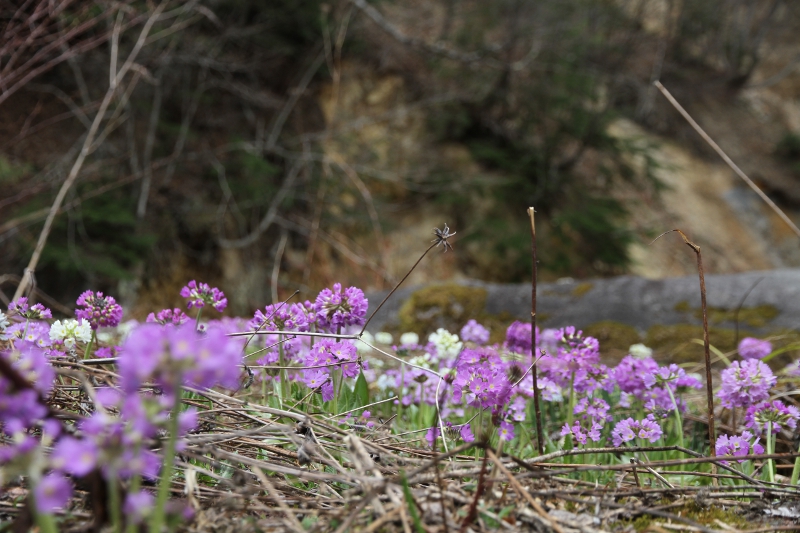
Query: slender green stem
(89, 346)
(46, 522)
(136, 484)
(27, 323)
(282, 372)
(114, 502)
(795, 470)
(678, 421)
(770, 450)
(197, 320)
(157, 520)
(570, 411)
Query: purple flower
(466, 433)
(628, 429)
(52, 492)
(337, 309)
(200, 294)
(73, 456)
(592, 407)
(737, 446)
(580, 434)
(314, 378)
(21, 308)
(169, 317)
(431, 435)
(281, 317)
(506, 431)
(474, 332)
(99, 310)
(138, 506)
(518, 337)
(750, 348)
(745, 383)
(775, 412)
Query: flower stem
(197, 320)
(795, 470)
(157, 520)
(678, 421)
(89, 346)
(114, 502)
(770, 450)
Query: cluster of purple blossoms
(745, 383)
(168, 317)
(738, 445)
(453, 432)
(200, 295)
(575, 362)
(776, 413)
(596, 408)
(628, 429)
(326, 356)
(99, 310)
(518, 337)
(581, 434)
(481, 379)
(337, 309)
(280, 317)
(750, 348)
(173, 356)
(474, 332)
(21, 308)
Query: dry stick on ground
(85, 150)
(706, 350)
(725, 158)
(539, 436)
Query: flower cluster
(738, 445)
(750, 348)
(280, 317)
(69, 332)
(200, 295)
(628, 429)
(21, 308)
(168, 317)
(336, 309)
(776, 413)
(99, 310)
(518, 337)
(474, 332)
(745, 383)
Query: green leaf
(412, 508)
(361, 391)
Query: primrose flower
(73, 456)
(70, 331)
(409, 338)
(168, 317)
(337, 309)
(138, 505)
(474, 332)
(628, 429)
(594, 407)
(506, 431)
(447, 344)
(200, 295)
(99, 310)
(580, 434)
(52, 492)
(640, 351)
(518, 337)
(4, 323)
(775, 412)
(465, 432)
(750, 348)
(280, 317)
(745, 383)
(738, 445)
(21, 308)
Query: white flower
(384, 382)
(447, 344)
(640, 351)
(4, 323)
(366, 337)
(409, 338)
(383, 337)
(71, 331)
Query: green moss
(707, 516)
(581, 289)
(441, 306)
(674, 343)
(757, 316)
(615, 338)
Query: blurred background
(268, 146)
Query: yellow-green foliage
(757, 316)
(446, 306)
(581, 289)
(615, 338)
(674, 343)
(707, 516)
